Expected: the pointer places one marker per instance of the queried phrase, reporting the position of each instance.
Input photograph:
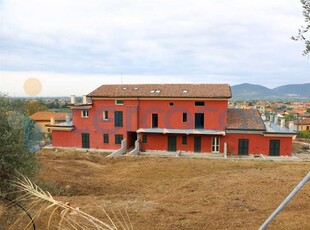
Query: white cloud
(228, 39)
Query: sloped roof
(46, 116)
(244, 119)
(303, 121)
(163, 91)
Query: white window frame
(215, 145)
(117, 102)
(86, 115)
(105, 115)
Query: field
(178, 193)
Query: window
(215, 145)
(106, 115)
(106, 138)
(118, 138)
(274, 148)
(199, 103)
(118, 118)
(85, 140)
(84, 113)
(199, 120)
(184, 117)
(307, 128)
(184, 140)
(144, 138)
(243, 147)
(171, 103)
(155, 120)
(119, 102)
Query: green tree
(18, 137)
(308, 110)
(32, 107)
(303, 30)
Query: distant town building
(44, 118)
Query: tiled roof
(303, 121)
(163, 91)
(244, 119)
(46, 116)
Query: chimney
(271, 117)
(52, 122)
(84, 99)
(67, 118)
(73, 99)
(276, 120)
(291, 126)
(282, 123)
(263, 117)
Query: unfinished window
(154, 120)
(199, 120)
(199, 103)
(171, 103)
(106, 138)
(84, 113)
(144, 138)
(184, 117)
(105, 115)
(118, 138)
(119, 102)
(184, 140)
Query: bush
(304, 134)
(18, 138)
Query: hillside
(177, 193)
(251, 91)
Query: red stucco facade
(160, 124)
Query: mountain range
(251, 91)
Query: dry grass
(181, 193)
(53, 213)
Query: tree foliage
(18, 137)
(303, 30)
(32, 107)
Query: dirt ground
(177, 193)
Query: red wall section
(96, 126)
(258, 144)
(66, 139)
(215, 114)
(160, 142)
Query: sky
(74, 46)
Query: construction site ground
(175, 192)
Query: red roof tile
(46, 116)
(163, 91)
(244, 119)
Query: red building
(169, 117)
